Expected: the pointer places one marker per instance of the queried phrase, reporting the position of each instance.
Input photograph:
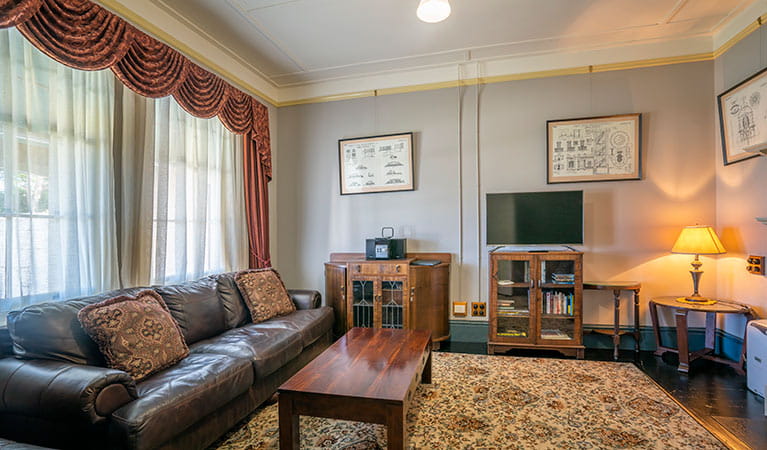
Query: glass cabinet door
(557, 300)
(513, 299)
(362, 302)
(392, 303)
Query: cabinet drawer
(379, 268)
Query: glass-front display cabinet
(536, 301)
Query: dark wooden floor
(713, 393)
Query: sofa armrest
(62, 391)
(305, 298)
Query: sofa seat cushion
(311, 324)
(267, 348)
(176, 398)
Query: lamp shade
(698, 240)
(433, 11)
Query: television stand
(536, 297)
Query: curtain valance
(84, 35)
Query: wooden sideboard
(393, 293)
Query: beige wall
(741, 193)
(630, 226)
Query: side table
(617, 287)
(680, 315)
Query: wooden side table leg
(289, 433)
(710, 330)
(395, 427)
(616, 323)
(637, 333)
(681, 338)
(655, 328)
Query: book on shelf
(554, 334)
(563, 278)
(512, 333)
(559, 303)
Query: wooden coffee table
(369, 375)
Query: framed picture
(594, 149)
(376, 163)
(743, 118)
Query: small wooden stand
(617, 287)
(680, 315)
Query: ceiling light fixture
(433, 11)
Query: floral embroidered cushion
(137, 335)
(264, 294)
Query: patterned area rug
(494, 402)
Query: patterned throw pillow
(136, 335)
(264, 294)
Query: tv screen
(529, 218)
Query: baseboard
(726, 344)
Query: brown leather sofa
(56, 391)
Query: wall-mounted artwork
(743, 118)
(376, 163)
(594, 149)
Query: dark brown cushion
(196, 307)
(235, 312)
(264, 293)
(136, 335)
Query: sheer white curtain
(184, 215)
(57, 227)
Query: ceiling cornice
(206, 51)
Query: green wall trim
(726, 344)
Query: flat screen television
(533, 218)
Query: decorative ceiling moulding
(364, 85)
(85, 36)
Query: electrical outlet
(460, 309)
(478, 309)
(755, 264)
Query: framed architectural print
(743, 118)
(376, 163)
(594, 149)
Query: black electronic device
(385, 247)
(532, 218)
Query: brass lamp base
(696, 300)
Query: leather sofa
(56, 391)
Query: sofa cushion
(136, 335)
(311, 324)
(264, 293)
(267, 348)
(196, 307)
(176, 398)
(236, 313)
(52, 331)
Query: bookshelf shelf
(536, 301)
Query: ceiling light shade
(433, 11)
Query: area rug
(503, 402)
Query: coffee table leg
(395, 428)
(289, 433)
(426, 375)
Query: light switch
(755, 264)
(459, 309)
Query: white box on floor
(756, 352)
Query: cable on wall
(479, 180)
(460, 92)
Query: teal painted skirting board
(726, 344)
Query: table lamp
(697, 240)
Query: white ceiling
(349, 44)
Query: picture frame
(743, 118)
(372, 164)
(604, 148)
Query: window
(57, 235)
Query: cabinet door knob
(357, 268)
(396, 268)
